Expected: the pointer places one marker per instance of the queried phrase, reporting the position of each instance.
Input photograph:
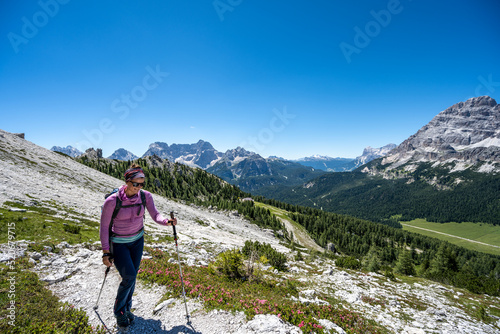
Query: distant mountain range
(203, 155)
(248, 170)
(345, 164)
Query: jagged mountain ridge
(201, 154)
(250, 171)
(243, 168)
(370, 153)
(68, 150)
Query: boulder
(160, 306)
(330, 247)
(36, 256)
(268, 324)
(330, 326)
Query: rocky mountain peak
(123, 154)
(238, 152)
(370, 153)
(68, 150)
(474, 102)
(92, 153)
(201, 154)
(466, 133)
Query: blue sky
(285, 78)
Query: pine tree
(443, 263)
(405, 265)
(371, 261)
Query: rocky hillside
(37, 178)
(466, 135)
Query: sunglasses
(137, 184)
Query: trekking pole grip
(173, 226)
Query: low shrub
(70, 228)
(349, 262)
(228, 263)
(276, 259)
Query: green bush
(481, 313)
(276, 259)
(70, 228)
(388, 272)
(349, 262)
(229, 263)
(371, 261)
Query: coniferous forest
(431, 193)
(369, 245)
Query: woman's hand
(173, 221)
(108, 262)
(106, 258)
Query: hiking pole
(97, 302)
(180, 268)
(102, 286)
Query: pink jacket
(128, 221)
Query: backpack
(119, 205)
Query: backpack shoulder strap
(143, 199)
(118, 206)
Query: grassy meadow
(480, 237)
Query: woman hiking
(124, 242)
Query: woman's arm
(155, 214)
(106, 214)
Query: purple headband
(133, 173)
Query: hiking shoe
(122, 322)
(130, 316)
